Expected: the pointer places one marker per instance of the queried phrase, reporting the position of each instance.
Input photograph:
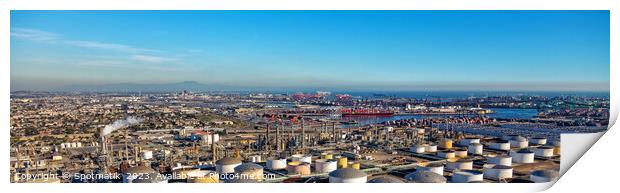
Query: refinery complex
(298, 137)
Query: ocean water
(465, 94)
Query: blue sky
(374, 50)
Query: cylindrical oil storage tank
(227, 165)
(460, 152)
(475, 148)
(467, 176)
(509, 137)
(446, 154)
(347, 175)
(468, 140)
(445, 143)
(431, 148)
(504, 160)
(519, 142)
(538, 140)
(544, 151)
(460, 164)
(522, 156)
(276, 163)
(433, 167)
(302, 158)
(203, 176)
(556, 148)
(327, 156)
(256, 158)
(325, 166)
(298, 168)
(147, 154)
(249, 171)
(418, 148)
(425, 177)
(342, 162)
(500, 145)
(385, 179)
(540, 176)
(497, 172)
(355, 165)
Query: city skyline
(358, 50)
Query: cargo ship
(365, 112)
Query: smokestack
(303, 134)
(213, 146)
(334, 132)
(267, 142)
(278, 137)
(103, 145)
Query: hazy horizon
(330, 50)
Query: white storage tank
(347, 175)
(522, 156)
(431, 148)
(256, 158)
(509, 137)
(460, 164)
(540, 176)
(302, 158)
(469, 140)
(249, 171)
(467, 176)
(325, 166)
(418, 148)
(227, 165)
(433, 167)
(276, 163)
(538, 140)
(446, 154)
(385, 179)
(147, 154)
(519, 142)
(500, 145)
(497, 172)
(475, 148)
(425, 177)
(499, 160)
(544, 151)
(460, 152)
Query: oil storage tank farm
(347, 175)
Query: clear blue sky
(389, 50)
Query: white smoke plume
(119, 124)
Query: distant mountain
(133, 87)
